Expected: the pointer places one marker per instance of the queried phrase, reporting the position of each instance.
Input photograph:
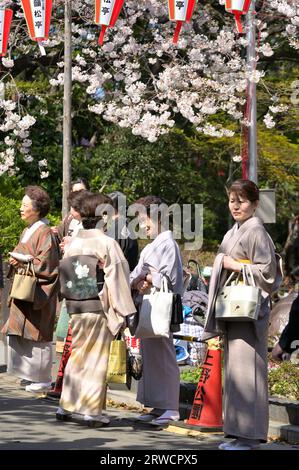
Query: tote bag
(24, 285)
(118, 366)
(239, 302)
(155, 313)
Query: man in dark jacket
(289, 339)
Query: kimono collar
(167, 235)
(233, 236)
(30, 230)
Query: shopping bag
(155, 313)
(118, 367)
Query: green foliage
(11, 224)
(191, 375)
(284, 380)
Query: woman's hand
(142, 286)
(64, 242)
(15, 263)
(231, 264)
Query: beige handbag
(240, 301)
(24, 284)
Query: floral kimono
(94, 277)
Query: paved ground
(28, 423)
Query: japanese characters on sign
(199, 398)
(38, 16)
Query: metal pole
(67, 107)
(251, 64)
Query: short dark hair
(88, 208)
(75, 198)
(40, 199)
(80, 181)
(245, 188)
(148, 201)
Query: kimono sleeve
(261, 253)
(46, 256)
(168, 266)
(117, 274)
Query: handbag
(155, 313)
(177, 317)
(118, 364)
(239, 302)
(24, 284)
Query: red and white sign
(38, 18)
(106, 14)
(180, 11)
(5, 23)
(238, 8)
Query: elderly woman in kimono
(30, 325)
(159, 386)
(245, 389)
(94, 278)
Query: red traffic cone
(56, 391)
(206, 413)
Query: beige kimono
(246, 376)
(84, 384)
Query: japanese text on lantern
(38, 13)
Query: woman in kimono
(159, 387)
(94, 278)
(30, 325)
(246, 413)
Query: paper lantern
(38, 18)
(106, 14)
(5, 23)
(180, 11)
(238, 8)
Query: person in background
(94, 278)
(159, 387)
(69, 224)
(246, 409)
(121, 233)
(289, 338)
(30, 325)
(74, 200)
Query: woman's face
(240, 208)
(28, 213)
(150, 226)
(75, 214)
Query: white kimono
(160, 383)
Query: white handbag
(240, 301)
(155, 313)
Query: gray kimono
(246, 389)
(160, 383)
